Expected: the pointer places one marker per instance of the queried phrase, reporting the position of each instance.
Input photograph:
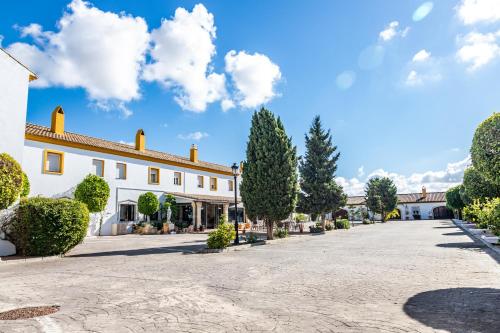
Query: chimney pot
(140, 140)
(424, 192)
(57, 121)
(193, 153)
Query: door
(127, 213)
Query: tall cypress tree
(319, 191)
(381, 196)
(269, 179)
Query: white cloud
(415, 78)
(433, 180)
(182, 51)
(196, 136)
(254, 77)
(392, 31)
(478, 49)
(127, 143)
(99, 51)
(477, 11)
(361, 171)
(227, 104)
(421, 56)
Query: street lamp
(235, 174)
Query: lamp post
(235, 174)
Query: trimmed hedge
(94, 192)
(11, 180)
(485, 150)
(342, 224)
(45, 226)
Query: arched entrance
(341, 214)
(442, 212)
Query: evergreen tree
(381, 196)
(269, 179)
(319, 191)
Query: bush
(94, 192)
(45, 226)
(221, 237)
(148, 204)
(280, 233)
(25, 190)
(472, 211)
(485, 150)
(342, 224)
(329, 226)
(11, 180)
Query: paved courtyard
(423, 276)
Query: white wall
(425, 208)
(14, 80)
(78, 164)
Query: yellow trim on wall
(215, 187)
(46, 152)
(123, 154)
(125, 171)
(96, 159)
(149, 175)
(180, 177)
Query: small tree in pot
(148, 204)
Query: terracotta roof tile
(34, 132)
(405, 198)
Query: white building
(412, 206)
(56, 160)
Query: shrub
(472, 211)
(11, 180)
(25, 190)
(45, 226)
(221, 237)
(315, 230)
(148, 204)
(342, 224)
(252, 237)
(329, 226)
(280, 233)
(94, 192)
(485, 149)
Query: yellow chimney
(140, 140)
(193, 154)
(57, 122)
(424, 192)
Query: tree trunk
(323, 221)
(100, 223)
(269, 228)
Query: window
(121, 171)
(200, 181)
(154, 175)
(230, 185)
(213, 184)
(177, 178)
(98, 167)
(53, 162)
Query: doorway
(127, 213)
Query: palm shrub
(11, 180)
(45, 226)
(221, 237)
(94, 192)
(148, 204)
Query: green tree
(11, 180)
(169, 202)
(381, 196)
(25, 191)
(476, 186)
(148, 204)
(485, 150)
(269, 179)
(94, 192)
(319, 192)
(454, 198)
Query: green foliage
(94, 192)
(300, 217)
(367, 221)
(316, 229)
(269, 181)
(319, 192)
(221, 237)
(454, 197)
(485, 213)
(25, 190)
(45, 226)
(485, 150)
(342, 224)
(169, 202)
(223, 218)
(280, 233)
(148, 204)
(381, 196)
(11, 180)
(476, 186)
(393, 214)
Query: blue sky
(401, 96)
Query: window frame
(149, 175)
(202, 181)
(230, 185)
(215, 187)
(46, 153)
(102, 161)
(124, 171)
(180, 178)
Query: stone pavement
(419, 276)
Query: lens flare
(371, 57)
(422, 11)
(345, 80)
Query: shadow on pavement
(457, 233)
(462, 245)
(457, 309)
(184, 249)
(446, 227)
